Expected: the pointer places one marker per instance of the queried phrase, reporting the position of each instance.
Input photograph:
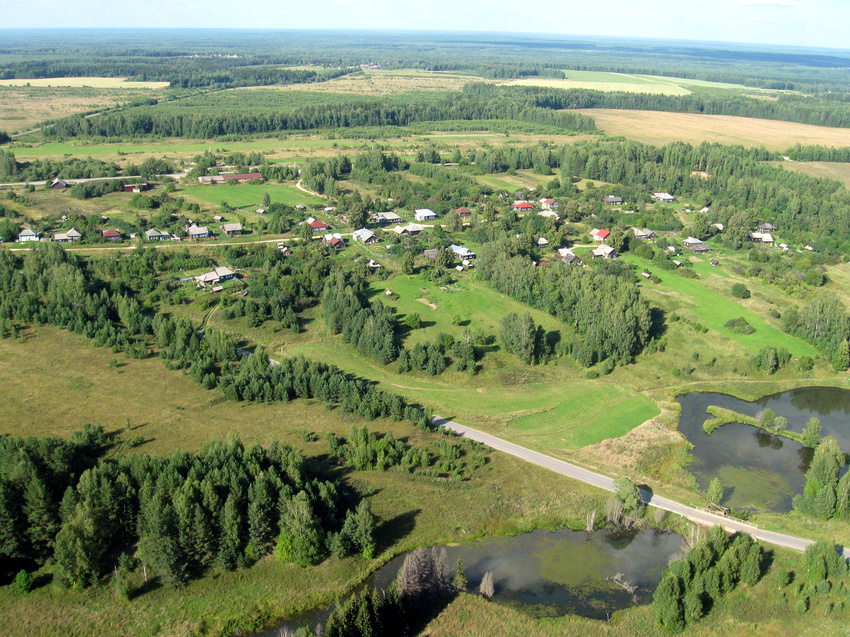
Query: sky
(809, 23)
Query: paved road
(604, 482)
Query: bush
(739, 326)
(740, 291)
(23, 582)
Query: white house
(365, 236)
(27, 235)
(424, 214)
(663, 197)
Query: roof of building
(601, 233)
(463, 210)
(232, 227)
(364, 234)
(112, 233)
(318, 223)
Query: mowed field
(621, 82)
(658, 128)
(92, 82)
(386, 82)
(251, 195)
(819, 169)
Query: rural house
(766, 227)
(762, 237)
(156, 235)
(549, 204)
(214, 277)
(462, 252)
(643, 234)
(385, 217)
(663, 197)
(411, 230)
(543, 242)
(319, 226)
(604, 252)
(27, 235)
(232, 229)
(112, 234)
(66, 237)
(695, 245)
(612, 200)
(522, 206)
(600, 236)
(463, 212)
(224, 177)
(198, 232)
(365, 236)
(424, 214)
(59, 184)
(334, 240)
(568, 256)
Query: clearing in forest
(620, 82)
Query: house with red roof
(319, 226)
(112, 234)
(463, 212)
(548, 204)
(522, 206)
(600, 235)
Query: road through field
(604, 482)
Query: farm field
(603, 81)
(252, 195)
(83, 82)
(387, 82)
(659, 128)
(820, 169)
(23, 108)
(714, 309)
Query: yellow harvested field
(76, 82)
(624, 87)
(654, 127)
(376, 82)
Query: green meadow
(251, 195)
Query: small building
(612, 200)
(411, 230)
(462, 252)
(809, 249)
(197, 232)
(604, 252)
(67, 237)
(766, 227)
(463, 212)
(542, 242)
(60, 184)
(644, 233)
(112, 234)
(156, 235)
(424, 214)
(695, 245)
(365, 236)
(663, 197)
(718, 226)
(385, 217)
(232, 229)
(224, 177)
(215, 276)
(714, 263)
(318, 225)
(139, 187)
(646, 275)
(600, 235)
(677, 263)
(334, 240)
(373, 265)
(284, 249)
(522, 206)
(218, 218)
(705, 209)
(549, 214)
(27, 235)
(762, 237)
(549, 204)
(568, 256)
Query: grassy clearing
(819, 169)
(250, 195)
(655, 127)
(713, 309)
(386, 82)
(621, 82)
(84, 82)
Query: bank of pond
(760, 470)
(542, 573)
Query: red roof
(318, 224)
(603, 234)
(548, 201)
(463, 210)
(109, 234)
(523, 205)
(242, 176)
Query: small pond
(761, 472)
(550, 573)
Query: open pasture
(659, 128)
(386, 82)
(620, 82)
(83, 82)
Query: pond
(761, 472)
(550, 573)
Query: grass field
(654, 127)
(819, 169)
(713, 309)
(387, 82)
(250, 195)
(602, 81)
(84, 82)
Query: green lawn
(714, 309)
(250, 195)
